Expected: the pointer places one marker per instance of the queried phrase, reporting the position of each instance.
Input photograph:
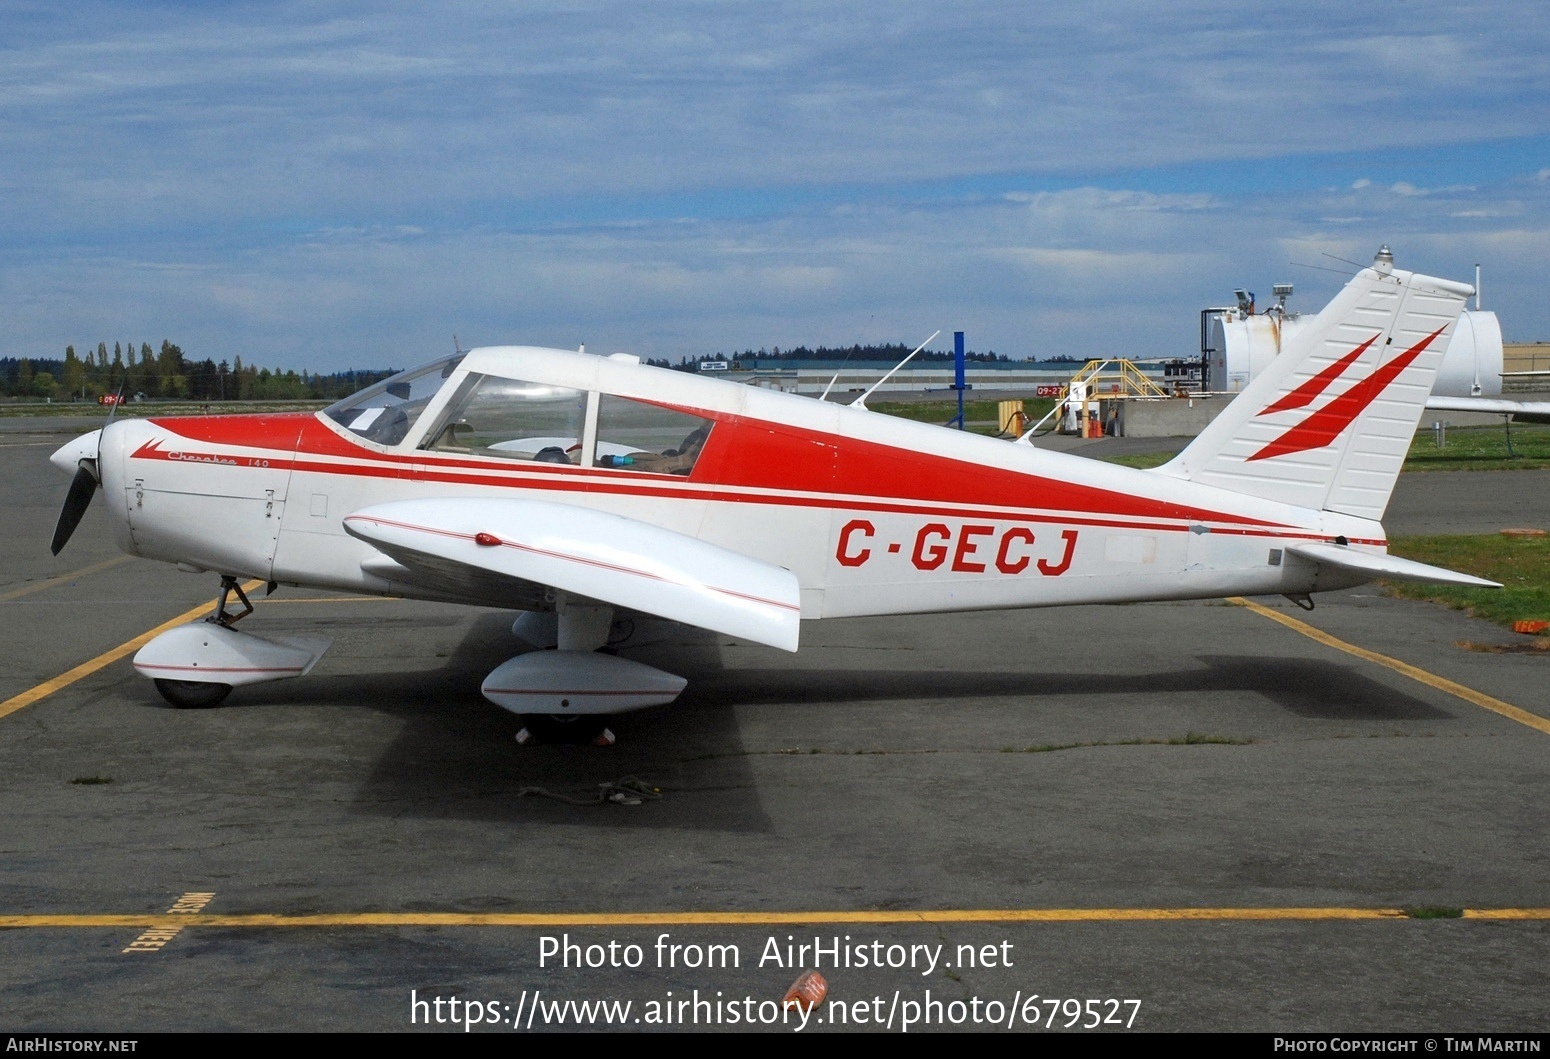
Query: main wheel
(192, 694)
(564, 727)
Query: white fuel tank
(1243, 345)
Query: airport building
(812, 378)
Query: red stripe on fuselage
(741, 454)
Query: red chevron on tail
(1324, 426)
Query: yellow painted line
(757, 919)
(107, 658)
(1507, 913)
(1470, 695)
(62, 578)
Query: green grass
(1142, 460)
(1466, 449)
(1521, 564)
(1479, 449)
(982, 415)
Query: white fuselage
(874, 515)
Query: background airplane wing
(1494, 405)
(474, 541)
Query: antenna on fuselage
(860, 402)
(457, 347)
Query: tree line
(167, 374)
(892, 353)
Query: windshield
(384, 413)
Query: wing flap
(606, 557)
(1389, 567)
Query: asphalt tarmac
(1194, 816)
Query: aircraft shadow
(455, 755)
(1317, 690)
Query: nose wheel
(192, 694)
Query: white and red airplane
(573, 487)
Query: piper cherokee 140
(574, 487)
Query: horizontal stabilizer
(1389, 567)
(605, 557)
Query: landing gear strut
(567, 695)
(222, 617)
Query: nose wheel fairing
(195, 665)
(206, 653)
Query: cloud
(345, 183)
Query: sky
(334, 185)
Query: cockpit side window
(386, 412)
(638, 436)
(512, 419)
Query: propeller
(82, 487)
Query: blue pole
(958, 376)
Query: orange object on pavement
(807, 992)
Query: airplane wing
(610, 558)
(1494, 405)
(1388, 567)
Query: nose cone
(70, 454)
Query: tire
(572, 728)
(192, 694)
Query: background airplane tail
(1328, 424)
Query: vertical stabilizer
(1328, 423)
